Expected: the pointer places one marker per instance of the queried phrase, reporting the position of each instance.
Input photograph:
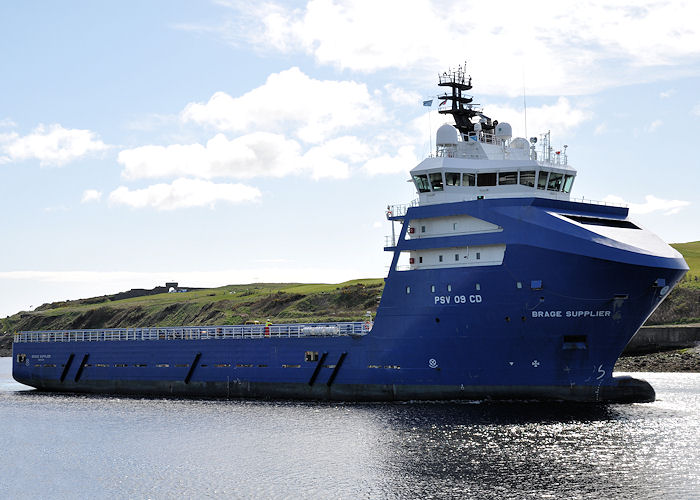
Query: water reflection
(105, 446)
(504, 449)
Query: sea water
(68, 446)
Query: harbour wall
(659, 338)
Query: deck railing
(599, 202)
(349, 328)
(401, 209)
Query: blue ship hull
(548, 323)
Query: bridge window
(542, 180)
(436, 181)
(554, 183)
(505, 178)
(468, 180)
(421, 183)
(527, 178)
(568, 182)
(488, 179)
(453, 178)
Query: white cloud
(90, 195)
(575, 48)
(558, 117)
(52, 145)
(667, 93)
(252, 155)
(333, 158)
(7, 123)
(311, 109)
(651, 204)
(403, 96)
(184, 193)
(696, 110)
(601, 129)
(259, 154)
(56, 208)
(148, 122)
(404, 161)
(654, 125)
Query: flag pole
(429, 104)
(430, 134)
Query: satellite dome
(519, 143)
(447, 135)
(504, 131)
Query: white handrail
(347, 328)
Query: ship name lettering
(457, 299)
(546, 314)
(588, 314)
(571, 314)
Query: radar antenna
(461, 108)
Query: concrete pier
(660, 338)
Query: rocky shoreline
(679, 360)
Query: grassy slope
(691, 253)
(683, 304)
(232, 304)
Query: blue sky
(217, 143)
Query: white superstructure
(479, 165)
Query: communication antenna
(430, 132)
(524, 102)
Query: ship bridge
(476, 165)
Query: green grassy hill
(691, 253)
(232, 304)
(683, 304)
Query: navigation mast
(462, 108)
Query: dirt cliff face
(681, 306)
